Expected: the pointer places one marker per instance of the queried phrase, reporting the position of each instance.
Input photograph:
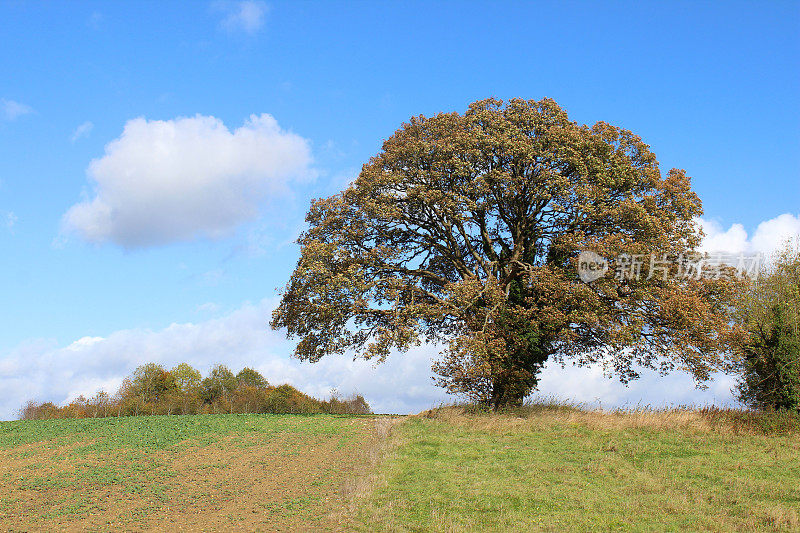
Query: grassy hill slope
(543, 469)
(563, 469)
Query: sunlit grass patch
(561, 468)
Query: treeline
(153, 390)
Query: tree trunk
(506, 393)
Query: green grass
(148, 433)
(565, 470)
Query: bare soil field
(215, 472)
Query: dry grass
(707, 419)
(360, 486)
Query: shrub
(151, 390)
(39, 411)
(132, 406)
(768, 344)
(355, 405)
(287, 399)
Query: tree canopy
(150, 382)
(465, 231)
(219, 384)
(249, 377)
(186, 377)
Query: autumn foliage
(152, 390)
(465, 230)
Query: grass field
(560, 469)
(550, 469)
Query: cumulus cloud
(165, 181)
(12, 110)
(773, 234)
(42, 371)
(590, 386)
(241, 338)
(768, 237)
(246, 16)
(81, 131)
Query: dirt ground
(289, 481)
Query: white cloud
(247, 16)
(241, 338)
(39, 370)
(175, 180)
(590, 386)
(768, 237)
(772, 234)
(732, 240)
(82, 131)
(12, 110)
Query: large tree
(465, 230)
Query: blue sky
(712, 88)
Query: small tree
(768, 342)
(218, 385)
(248, 377)
(150, 382)
(186, 377)
(100, 404)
